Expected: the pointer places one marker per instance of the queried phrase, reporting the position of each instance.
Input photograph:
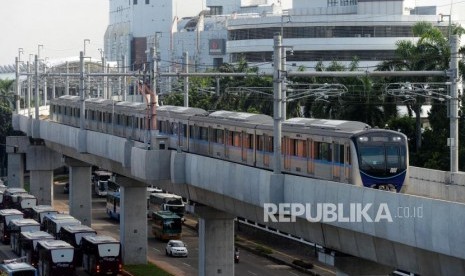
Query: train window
(301, 148)
(237, 142)
(229, 138)
(268, 143)
(78, 112)
(323, 151)
(204, 133)
(249, 141)
(260, 143)
(174, 127)
(184, 130)
(338, 153)
(392, 156)
(348, 159)
(289, 148)
(220, 136)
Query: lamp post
(449, 30)
(88, 41)
(38, 50)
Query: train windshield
(382, 161)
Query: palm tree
(431, 52)
(7, 96)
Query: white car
(176, 248)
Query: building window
(147, 2)
(332, 3)
(216, 10)
(344, 2)
(134, 2)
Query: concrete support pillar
(133, 220)
(80, 190)
(16, 146)
(41, 186)
(15, 170)
(41, 162)
(216, 242)
(350, 265)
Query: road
(250, 264)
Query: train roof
(343, 125)
(180, 111)
(241, 117)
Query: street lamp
(449, 31)
(282, 23)
(20, 51)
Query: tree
(411, 56)
(6, 106)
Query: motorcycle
(236, 255)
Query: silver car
(176, 248)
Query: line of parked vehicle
(51, 243)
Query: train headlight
(396, 138)
(363, 139)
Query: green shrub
(144, 270)
(263, 249)
(302, 263)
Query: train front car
(382, 157)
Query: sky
(62, 26)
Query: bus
(27, 245)
(16, 226)
(8, 194)
(73, 235)
(113, 205)
(24, 203)
(38, 213)
(100, 181)
(166, 225)
(15, 267)
(166, 202)
(101, 255)
(55, 258)
(7, 215)
(53, 223)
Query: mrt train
(336, 150)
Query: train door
(266, 155)
(244, 145)
(347, 170)
(287, 151)
(210, 140)
(180, 135)
(338, 160)
(227, 142)
(310, 157)
(184, 134)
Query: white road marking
(158, 250)
(252, 272)
(186, 264)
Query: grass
(264, 249)
(144, 270)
